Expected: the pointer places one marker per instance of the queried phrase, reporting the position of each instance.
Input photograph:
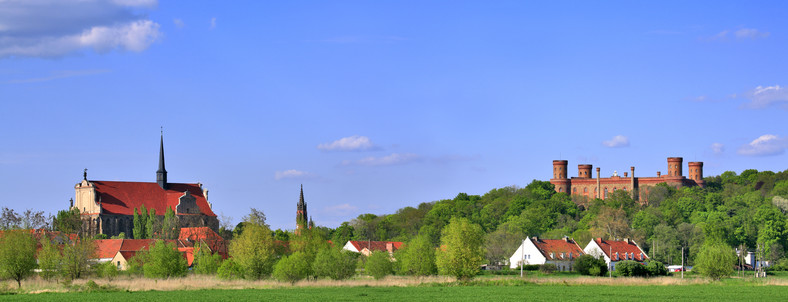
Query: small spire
(85, 174)
(161, 174)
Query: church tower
(161, 174)
(301, 214)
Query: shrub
(462, 249)
(335, 264)
(230, 270)
(164, 261)
(253, 250)
(547, 268)
(630, 268)
(292, 268)
(49, 260)
(590, 266)
(656, 268)
(107, 270)
(417, 257)
(379, 265)
(205, 262)
(715, 260)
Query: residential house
(367, 247)
(535, 250)
(614, 251)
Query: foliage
(163, 260)
(140, 222)
(715, 260)
(68, 221)
(151, 224)
(501, 242)
(547, 268)
(630, 268)
(205, 262)
(379, 265)
(28, 219)
(76, 256)
(49, 260)
(417, 257)
(253, 251)
(656, 268)
(335, 264)
(589, 265)
(230, 270)
(17, 255)
(107, 270)
(462, 252)
(256, 217)
(170, 228)
(292, 268)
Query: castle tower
(161, 174)
(584, 171)
(675, 166)
(695, 170)
(301, 214)
(560, 180)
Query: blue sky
(377, 105)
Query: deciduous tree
(17, 255)
(462, 249)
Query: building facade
(535, 250)
(107, 207)
(585, 184)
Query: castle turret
(584, 171)
(674, 166)
(560, 180)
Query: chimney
(626, 240)
(535, 238)
(626, 174)
(566, 238)
(659, 174)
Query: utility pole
(682, 262)
(522, 254)
(610, 265)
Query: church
(107, 207)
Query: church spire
(301, 214)
(161, 174)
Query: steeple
(161, 174)
(301, 214)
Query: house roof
(128, 248)
(107, 248)
(375, 245)
(206, 235)
(122, 197)
(618, 248)
(557, 249)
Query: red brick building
(586, 185)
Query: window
(585, 190)
(575, 190)
(605, 193)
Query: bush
(205, 262)
(230, 270)
(588, 265)
(656, 268)
(417, 257)
(164, 261)
(630, 268)
(292, 268)
(462, 249)
(335, 264)
(379, 265)
(107, 270)
(715, 260)
(253, 250)
(547, 268)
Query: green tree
(292, 268)
(171, 228)
(230, 270)
(656, 268)
(49, 259)
(151, 225)
(335, 264)
(68, 221)
(17, 255)
(502, 242)
(417, 257)
(715, 260)
(379, 265)
(76, 256)
(253, 251)
(163, 260)
(107, 270)
(462, 252)
(138, 231)
(205, 262)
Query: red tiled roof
(553, 249)
(375, 245)
(107, 248)
(122, 197)
(619, 248)
(215, 243)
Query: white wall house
(614, 251)
(561, 252)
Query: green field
(527, 292)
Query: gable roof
(554, 249)
(375, 245)
(107, 248)
(206, 235)
(618, 248)
(122, 197)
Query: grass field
(444, 292)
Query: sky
(378, 105)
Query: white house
(615, 250)
(561, 252)
(367, 247)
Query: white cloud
(389, 160)
(293, 174)
(53, 28)
(617, 141)
(765, 145)
(344, 209)
(178, 23)
(351, 143)
(717, 148)
(741, 34)
(762, 97)
(213, 22)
